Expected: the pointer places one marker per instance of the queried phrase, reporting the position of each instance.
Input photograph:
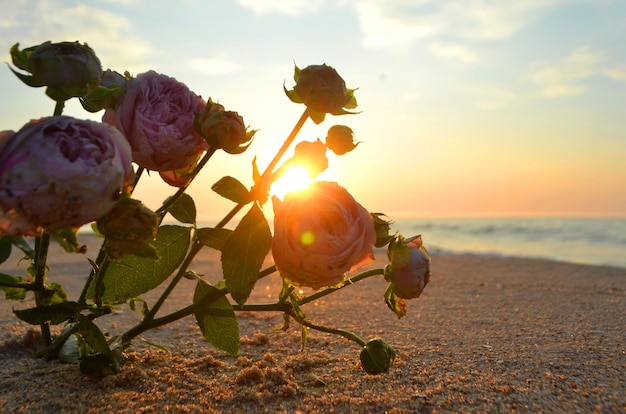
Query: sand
(487, 335)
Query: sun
(295, 179)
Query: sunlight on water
(579, 240)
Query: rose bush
(320, 233)
(60, 172)
(157, 116)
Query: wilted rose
(409, 270)
(157, 117)
(129, 228)
(223, 129)
(68, 69)
(60, 172)
(321, 233)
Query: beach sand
(487, 335)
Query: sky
(468, 107)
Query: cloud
(566, 77)
(289, 7)
(453, 51)
(618, 73)
(401, 23)
(31, 23)
(214, 66)
(495, 98)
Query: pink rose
(60, 172)
(321, 233)
(157, 117)
(409, 271)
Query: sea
(596, 241)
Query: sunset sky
(469, 107)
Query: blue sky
(468, 107)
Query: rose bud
(157, 116)
(377, 357)
(409, 270)
(68, 69)
(320, 234)
(340, 139)
(311, 156)
(61, 172)
(223, 129)
(112, 88)
(129, 228)
(322, 90)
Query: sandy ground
(487, 335)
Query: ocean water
(598, 241)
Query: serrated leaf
(216, 319)
(54, 314)
(92, 335)
(184, 209)
(133, 276)
(232, 189)
(244, 252)
(213, 238)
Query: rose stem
(197, 246)
(350, 281)
(41, 254)
(147, 324)
(42, 242)
(345, 334)
(167, 204)
(267, 174)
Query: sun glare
(295, 179)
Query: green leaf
(232, 189)
(54, 314)
(28, 79)
(13, 287)
(133, 276)
(292, 95)
(54, 294)
(184, 209)
(213, 238)
(244, 252)
(216, 318)
(67, 238)
(20, 57)
(317, 117)
(5, 248)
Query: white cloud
(566, 77)
(403, 22)
(495, 98)
(31, 23)
(453, 51)
(214, 66)
(618, 73)
(289, 7)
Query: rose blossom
(409, 271)
(60, 172)
(157, 117)
(320, 233)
